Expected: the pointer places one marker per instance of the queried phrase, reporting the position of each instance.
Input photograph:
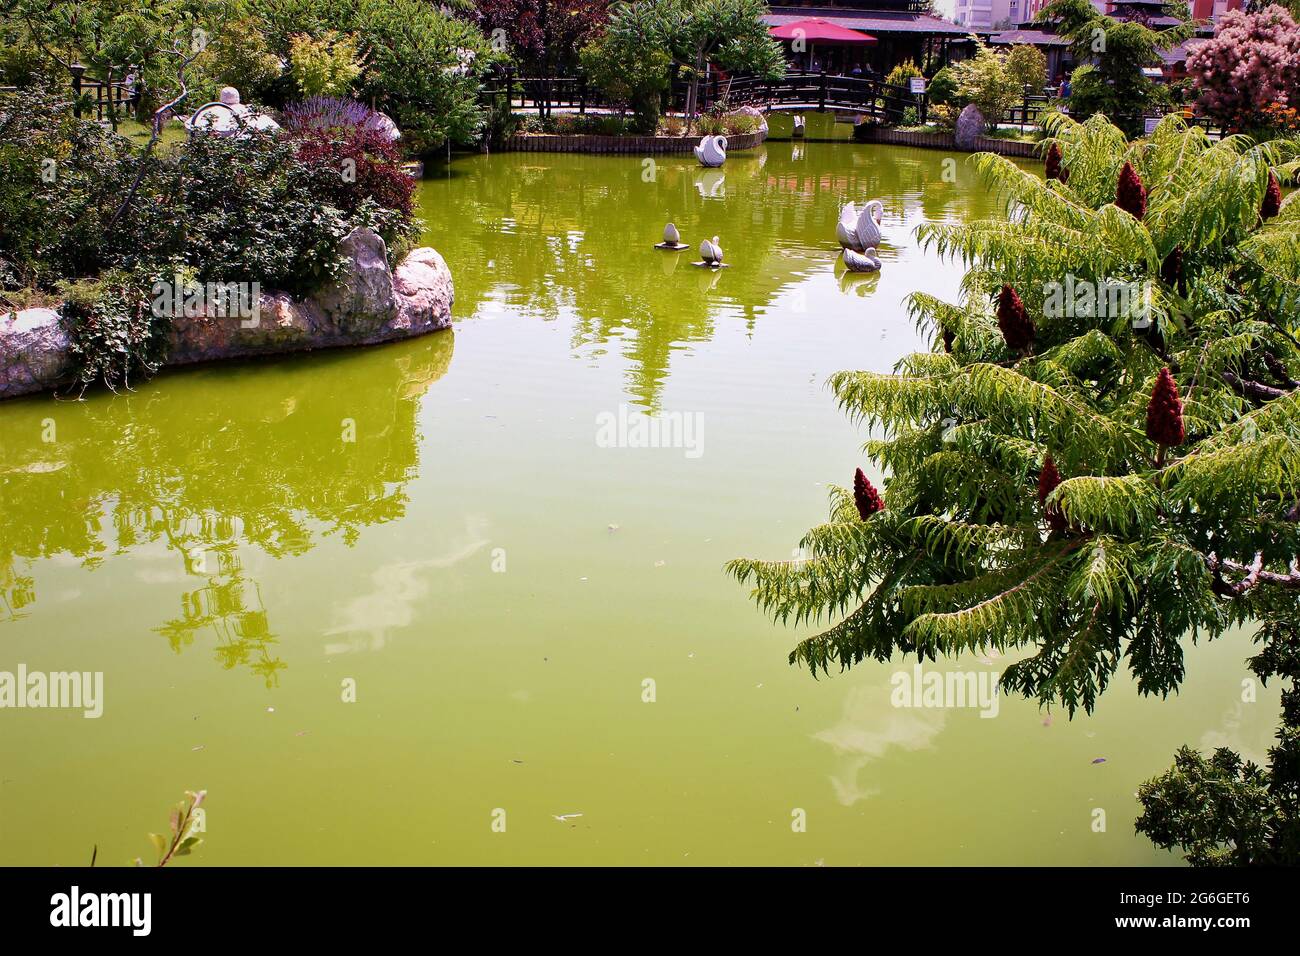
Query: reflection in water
(271, 457)
(367, 618)
(870, 727)
(571, 237)
(858, 283)
(711, 183)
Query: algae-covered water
(426, 603)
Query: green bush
(738, 124)
(114, 334)
(324, 67)
(900, 74)
(630, 73)
(984, 81)
(1027, 66)
(710, 124)
(672, 126)
(942, 89)
(261, 209)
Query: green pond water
(498, 583)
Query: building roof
(1179, 53)
(871, 21)
(1032, 37)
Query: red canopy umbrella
(814, 30)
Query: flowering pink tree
(1252, 62)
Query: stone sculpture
(859, 230)
(712, 151)
(861, 261)
(672, 239)
(710, 254)
(227, 116)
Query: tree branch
(158, 115)
(1279, 371)
(1255, 391)
(1254, 575)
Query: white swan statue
(712, 150)
(846, 230)
(865, 261)
(711, 253)
(859, 229)
(672, 239)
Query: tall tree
(1114, 54)
(695, 33)
(543, 34)
(1086, 480)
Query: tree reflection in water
(561, 234)
(209, 463)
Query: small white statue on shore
(798, 127)
(712, 150)
(226, 116)
(861, 261)
(859, 230)
(710, 254)
(672, 239)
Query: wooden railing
(887, 104)
(814, 91)
(106, 100)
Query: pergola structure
(902, 29)
(804, 37)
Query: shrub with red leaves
(1165, 412)
(1048, 479)
(1272, 198)
(357, 164)
(1016, 325)
(865, 496)
(1130, 194)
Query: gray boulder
(33, 351)
(970, 127)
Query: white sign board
(1150, 123)
(916, 84)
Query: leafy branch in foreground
(1088, 477)
(180, 841)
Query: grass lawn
(138, 133)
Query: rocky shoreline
(367, 304)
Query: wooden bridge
(820, 92)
